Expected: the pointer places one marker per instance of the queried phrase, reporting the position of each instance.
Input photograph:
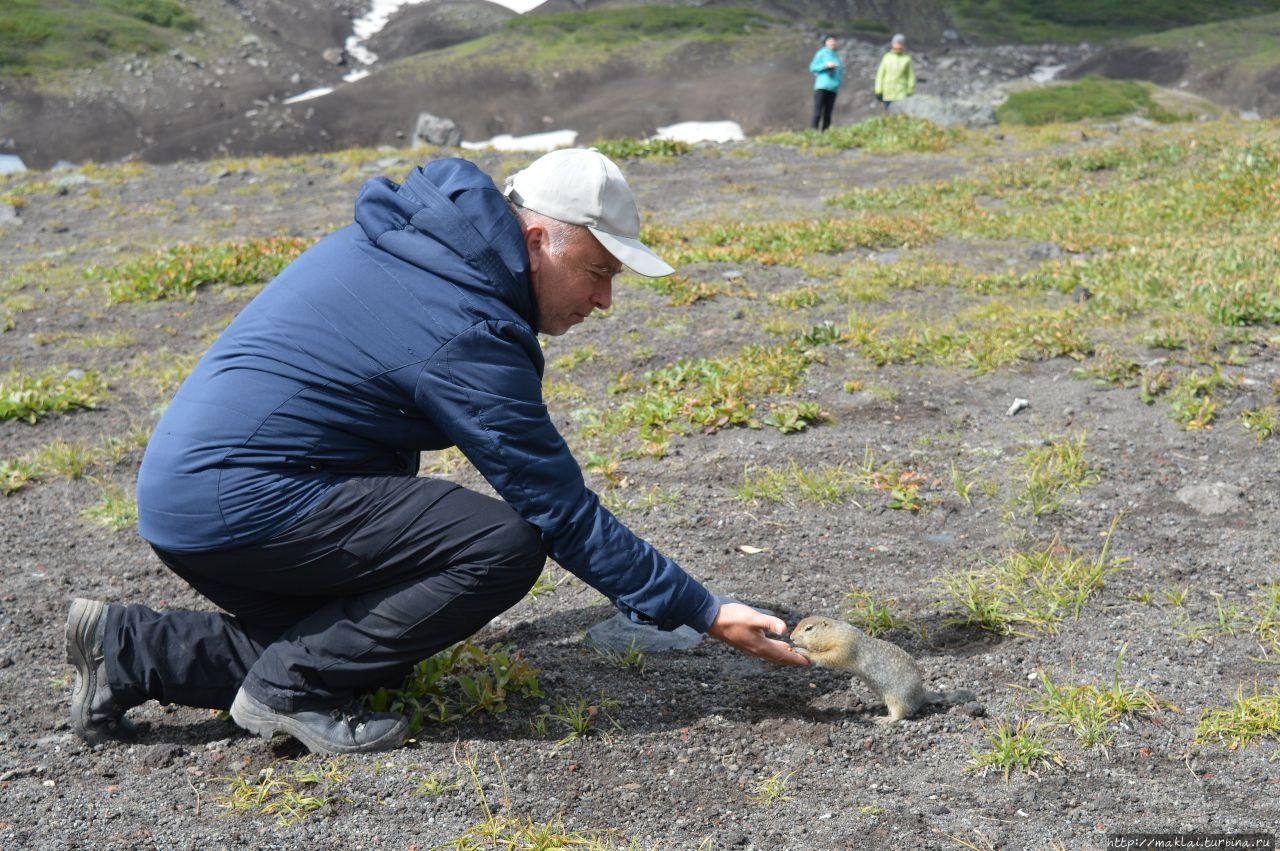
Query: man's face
(897, 47)
(568, 285)
(831, 43)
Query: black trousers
(383, 573)
(824, 101)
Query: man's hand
(744, 628)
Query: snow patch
(702, 131)
(537, 142)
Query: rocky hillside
(230, 87)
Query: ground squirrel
(890, 672)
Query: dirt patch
(697, 732)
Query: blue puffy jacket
(412, 329)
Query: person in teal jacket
(828, 72)
(895, 78)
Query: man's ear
(534, 240)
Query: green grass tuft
(1091, 97)
(43, 35)
(177, 272)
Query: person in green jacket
(828, 71)
(896, 78)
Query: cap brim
(633, 254)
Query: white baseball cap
(583, 187)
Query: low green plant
(1265, 621)
(29, 397)
(39, 36)
(1261, 421)
(1092, 713)
(1020, 746)
(633, 149)
(881, 134)
(1056, 467)
(795, 417)
(783, 242)
(1090, 97)
(177, 272)
(704, 393)
(69, 460)
(290, 790)
(15, 474)
(1193, 398)
(871, 614)
(1028, 592)
(901, 484)
(116, 507)
(515, 833)
(434, 784)
(796, 484)
(772, 789)
(963, 481)
(575, 357)
(463, 680)
(630, 659)
(1250, 717)
(582, 717)
(547, 581)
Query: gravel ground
(682, 757)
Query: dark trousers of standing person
(383, 573)
(824, 101)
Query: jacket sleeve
(880, 72)
(484, 392)
(817, 64)
(911, 76)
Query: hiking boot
(348, 729)
(96, 715)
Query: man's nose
(602, 298)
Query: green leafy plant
(177, 272)
(790, 419)
(630, 149)
(29, 397)
(14, 475)
(463, 680)
(1261, 421)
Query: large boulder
(434, 130)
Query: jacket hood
(450, 204)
